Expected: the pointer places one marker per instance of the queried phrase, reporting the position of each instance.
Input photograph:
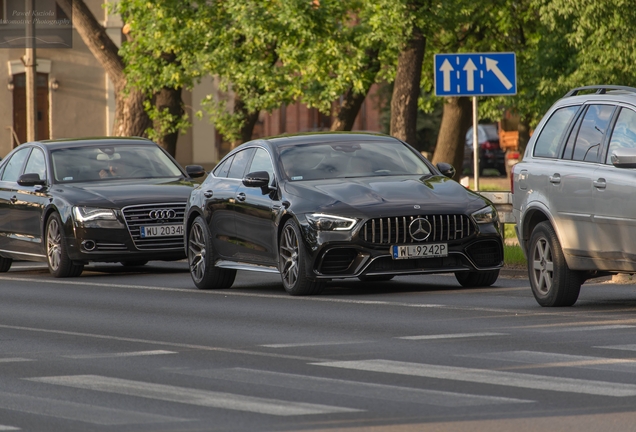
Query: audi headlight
(485, 215)
(94, 217)
(325, 222)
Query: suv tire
(477, 278)
(553, 283)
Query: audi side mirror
(195, 171)
(446, 169)
(31, 179)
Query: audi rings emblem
(420, 229)
(162, 214)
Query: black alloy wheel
(200, 255)
(60, 265)
(293, 265)
(553, 283)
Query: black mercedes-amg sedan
(322, 206)
(70, 202)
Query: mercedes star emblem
(420, 229)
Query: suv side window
(592, 133)
(547, 145)
(624, 134)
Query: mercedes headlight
(94, 217)
(485, 215)
(325, 222)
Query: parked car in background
(491, 156)
(573, 193)
(316, 207)
(70, 202)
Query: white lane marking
(307, 344)
(192, 396)
(165, 343)
(350, 388)
(124, 354)
(451, 336)
(78, 411)
(589, 328)
(8, 428)
(225, 293)
(535, 359)
(627, 347)
(14, 359)
(509, 379)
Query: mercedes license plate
(161, 230)
(420, 251)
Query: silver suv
(574, 193)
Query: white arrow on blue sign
(475, 74)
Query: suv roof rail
(600, 89)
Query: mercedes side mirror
(446, 169)
(257, 179)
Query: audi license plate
(161, 230)
(420, 251)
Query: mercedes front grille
(393, 230)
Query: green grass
(513, 256)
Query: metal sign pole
(475, 146)
(30, 72)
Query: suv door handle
(555, 178)
(241, 196)
(208, 194)
(600, 183)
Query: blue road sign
(476, 74)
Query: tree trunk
(406, 89)
(456, 119)
(130, 116)
(249, 121)
(524, 135)
(346, 116)
(169, 99)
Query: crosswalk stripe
(8, 428)
(534, 359)
(123, 354)
(627, 347)
(451, 336)
(350, 388)
(78, 411)
(591, 328)
(510, 379)
(14, 359)
(309, 344)
(192, 396)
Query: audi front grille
(395, 230)
(149, 215)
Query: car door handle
(600, 183)
(14, 199)
(241, 196)
(555, 178)
(208, 194)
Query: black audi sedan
(70, 202)
(316, 207)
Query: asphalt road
(121, 350)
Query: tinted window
(91, 163)
(240, 163)
(547, 145)
(624, 134)
(262, 162)
(36, 164)
(223, 168)
(592, 131)
(351, 159)
(14, 166)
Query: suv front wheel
(553, 283)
